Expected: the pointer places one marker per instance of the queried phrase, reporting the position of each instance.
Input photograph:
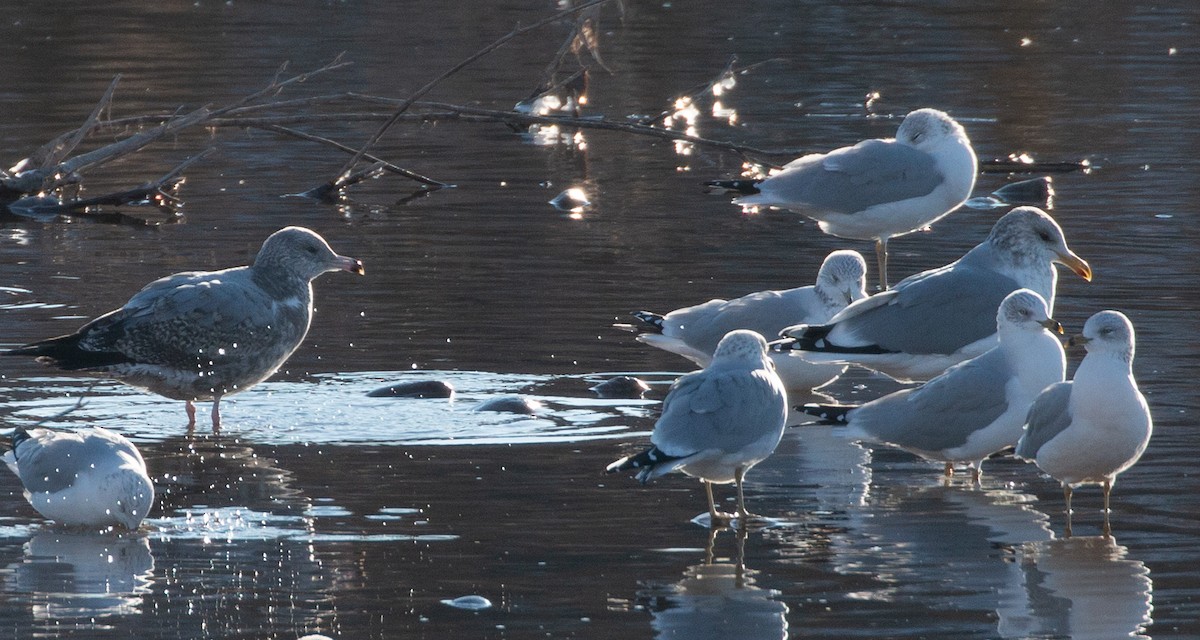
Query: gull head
(1107, 332)
(1025, 310)
(303, 253)
(1030, 235)
(842, 278)
(926, 128)
(742, 346)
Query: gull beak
(1076, 264)
(352, 265)
(1078, 340)
(1053, 325)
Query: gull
(935, 319)
(91, 477)
(718, 422)
(1094, 427)
(203, 335)
(693, 332)
(975, 408)
(876, 189)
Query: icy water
(319, 509)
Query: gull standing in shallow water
(203, 335)
(938, 318)
(876, 189)
(90, 477)
(977, 407)
(719, 422)
(693, 332)
(1094, 427)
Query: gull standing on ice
(977, 407)
(203, 335)
(90, 477)
(1094, 427)
(876, 189)
(719, 422)
(693, 332)
(935, 319)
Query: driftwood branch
(333, 185)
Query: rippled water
(319, 509)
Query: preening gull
(975, 408)
(938, 318)
(91, 477)
(718, 422)
(203, 335)
(693, 332)
(877, 189)
(1094, 427)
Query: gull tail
(745, 187)
(650, 463)
(65, 353)
(829, 413)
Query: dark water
(321, 510)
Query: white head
(301, 252)
(1024, 310)
(842, 278)
(925, 128)
(741, 346)
(1107, 332)
(1030, 235)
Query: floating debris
(1038, 191)
(621, 387)
(511, 404)
(469, 603)
(415, 389)
(574, 200)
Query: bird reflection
(717, 599)
(1080, 587)
(75, 574)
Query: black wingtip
(814, 337)
(644, 462)
(651, 320)
(745, 187)
(828, 413)
(65, 353)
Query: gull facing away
(718, 422)
(935, 319)
(693, 332)
(876, 189)
(203, 335)
(88, 478)
(975, 408)
(1089, 430)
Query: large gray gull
(977, 407)
(877, 189)
(718, 422)
(935, 319)
(693, 332)
(202, 335)
(90, 477)
(1094, 427)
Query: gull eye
(1044, 236)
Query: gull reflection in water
(717, 599)
(1080, 587)
(83, 574)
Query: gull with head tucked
(202, 335)
(718, 422)
(877, 189)
(1092, 428)
(975, 408)
(693, 332)
(935, 319)
(87, 478)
